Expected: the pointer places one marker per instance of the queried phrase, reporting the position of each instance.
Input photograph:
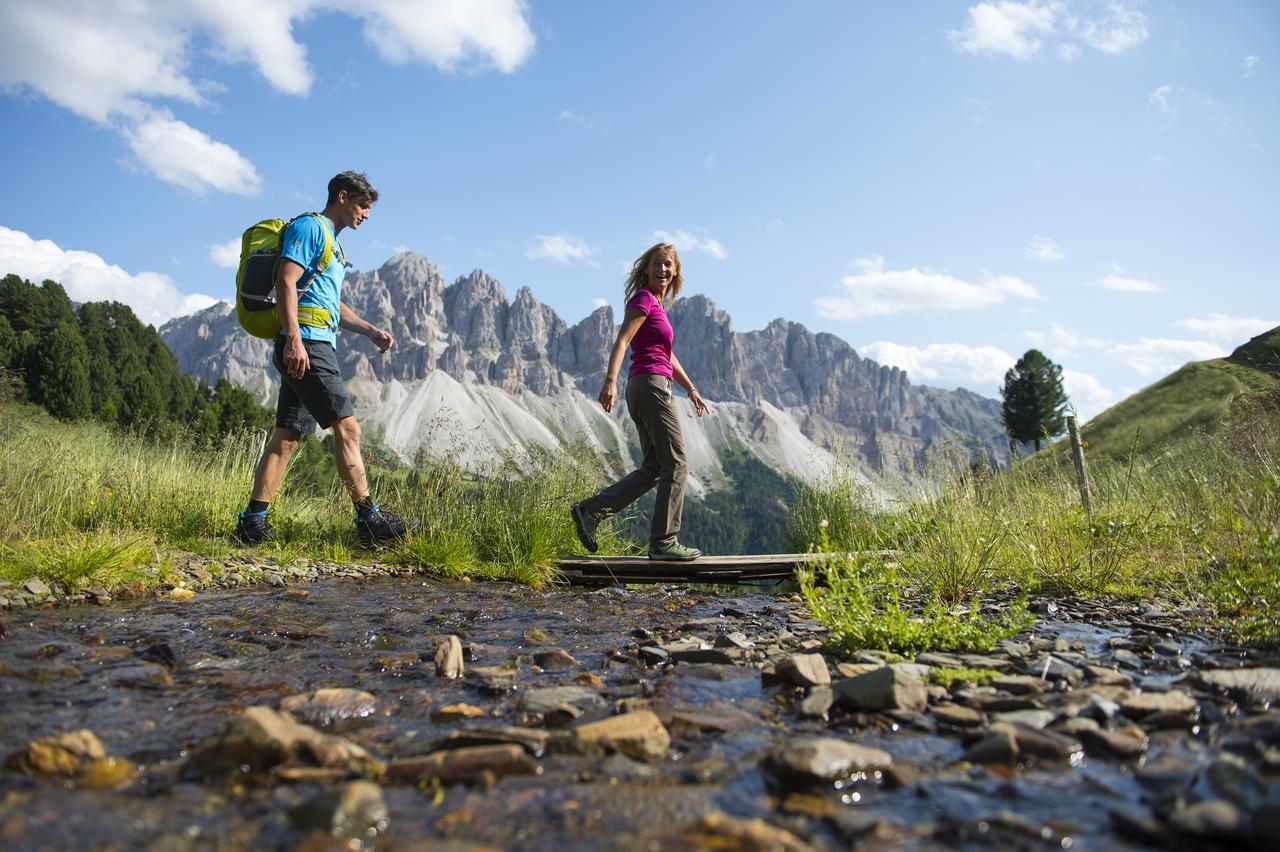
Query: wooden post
(1082, 474)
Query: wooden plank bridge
(602, 570)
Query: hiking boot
(674, 552)
(252, 528)
(381, 526)
(585, 523)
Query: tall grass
(1198, 523)
(86, 504)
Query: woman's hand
(608, 395)
(698, 404)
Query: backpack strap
(326, 254)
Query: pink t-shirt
(651, 347)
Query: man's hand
(296, 362)
(381, 338)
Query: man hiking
(311, 387)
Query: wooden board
(596, 570)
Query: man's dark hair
(355, 183)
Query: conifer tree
(1034, 400)
(57, 373)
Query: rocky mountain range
(474, 374)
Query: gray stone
(998, 747)
(355, 811)
(1020, 684)
(882, 689)
(918, 671)
(1214, 818)
(818, 760)
(449, 658)
(956, 716)
(554, 659)
(325, 708)
(1261, 685)
(817, 703)
(36, 586)
(572, 701)
(1033, 742)
(653, 655)
(1138, 703)
(494, 678)
(806, 670)
(1031, 718)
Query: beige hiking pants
(652, 407)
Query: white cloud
(1044, 249)
(1128, 285)
(1250, 62)
(560, 248)
(86, 277)
(877, 291)
(177, 153)
(1020, 28)
(1062, 341)
(688, 241)
(1121, 29)
(226, 255)
(599, 302)
(1005, 27)
(979, 368)
(110, 60)
(1227, 329)
(1086, 393)
(1157, 356)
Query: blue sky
(942, 184)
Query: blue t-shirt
(303, 243)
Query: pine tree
(57, 374)
(1034, 400)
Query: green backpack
(256, 278)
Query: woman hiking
(653, 284)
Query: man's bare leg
(346, 452)
(269, 473)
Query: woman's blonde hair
(639, 276)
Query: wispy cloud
(154, 297)
(584, 121)
(1062, 341)
(879, 291)
(1023, 30)
(689, 241)
(1226, 328)
(1121, 29)
(1250, 63)
(1157, 356)
(1044, 249)
(226, 255)
(110, 61)
(1125, 284)
(600, 302)
(560, 248)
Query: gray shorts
(319, 397)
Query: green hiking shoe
(675, 552)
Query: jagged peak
(408, 264)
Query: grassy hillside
(1190, 401)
